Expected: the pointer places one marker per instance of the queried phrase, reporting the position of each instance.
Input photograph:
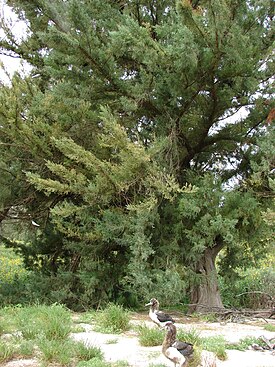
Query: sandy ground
(126, 347)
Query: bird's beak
(148, 304)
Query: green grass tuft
(25, 348)
(150, 337)
(111, 341)
(215, 344)
(190, 336)
(114, 319)
(245, 343)
(85, 353)
(269, 327)
(54, 322)
(56, 351)
(7, 351)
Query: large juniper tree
(128, 105)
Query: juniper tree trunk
(205, 296)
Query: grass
(113, 319)
(149, 337)
(7, 351)
(190, 336)
(54, 322)
(209, 317)
(84, 352)
(42, 332)
(245, 343)
(87, 317)
(97, 362)
(111, 341)
(269, 327)
(215, 344)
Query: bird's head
(170, 328)
(153, 302)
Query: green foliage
(26, 348)
(190, 335)
(58, 351)
(252, 287)
(42, 331)
(7, 351)
(245, 343)
(113, 319)
(95, 362)
(269, 327)
(209, 317)
(51, 322)
(127, 108)
(215, 344)
(85, 353)
(149, 337)
(11, 267)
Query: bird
(158, 317)
(35, 224)
(175, 350)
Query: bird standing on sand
(176, 351)
(158, 317)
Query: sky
(11, 64)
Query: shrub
(215, 344)
(85, 353)
(269, 327)
(7, 351)
(95, 362)
(149, 337)
(259, 280)
(53, 322)
(59, 351)
(11, 267)
(190, 336)
(114, 319)
(25, 348)
(245, 343)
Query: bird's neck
(153, 309)
(168, 341)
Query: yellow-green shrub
(11, 268)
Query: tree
(131, 103)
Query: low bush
(52, 322)
(245, 343)
(150, 337)
(250, 288)
(85, 353)
(7, 351)
(191, 336)
(215, 344)
(113, 319)
(269, 327)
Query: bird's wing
(185, 348)
(162, 317)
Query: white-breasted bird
(158, 317)
(176, 351)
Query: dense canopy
(142, 143)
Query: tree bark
(205, 296)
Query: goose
(158, 317)
(176, 351)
